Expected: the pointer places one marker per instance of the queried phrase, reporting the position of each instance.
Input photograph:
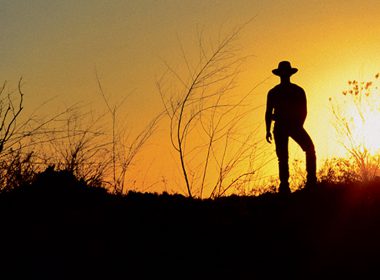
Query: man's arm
(303, 108)
(268, 118)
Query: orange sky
(57, 46)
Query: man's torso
(289, 102)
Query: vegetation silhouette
(75, 139)
(355, 113)
(287, 107)
(207, 112)
(58, 227)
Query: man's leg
(302, 138)
(281, 140)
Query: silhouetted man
(286, 106)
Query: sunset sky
(59, 46)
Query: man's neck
(285, 80)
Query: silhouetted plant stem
(204, 120)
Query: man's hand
(269, 137)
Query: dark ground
(60, 229)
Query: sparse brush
(355, 115)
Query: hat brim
(282, 72)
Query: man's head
(284, 69)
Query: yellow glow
(365, 130)
(358, 114)
(57, 46)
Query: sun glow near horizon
(357, 115)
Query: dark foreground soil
(58, 228)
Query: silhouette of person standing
(287, 107)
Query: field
(59, 228)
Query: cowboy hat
(284, 68)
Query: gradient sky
(58, 46)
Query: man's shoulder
(279, 88)
(297, 87)
(274, 90)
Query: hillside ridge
(59, 226)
